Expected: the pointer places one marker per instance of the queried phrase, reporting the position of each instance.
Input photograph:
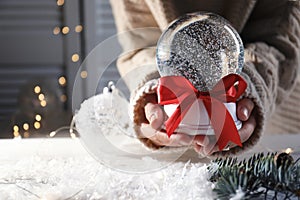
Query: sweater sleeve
(272, 58)
(272, 51)
(138, 33)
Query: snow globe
(202, 47)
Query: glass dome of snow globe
(203, 47)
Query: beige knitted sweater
(270, 30)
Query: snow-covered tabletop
(119, 167)
(61, 168)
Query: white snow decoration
(39, 169)
(61, 168)
(238, 195)
(107, 132)
(109, 112)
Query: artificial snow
(62, 169)
(116, 167)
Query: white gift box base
(196, 121)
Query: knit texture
(270, 30)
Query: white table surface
(61, 168)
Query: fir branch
(261, 176)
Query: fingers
(245, 114)
(154, 115)
(205, 145)
(180, 139)
(162, 139)
(200, 140)
(147, 131)
(245, 132)
(247, 128)
(244, 109)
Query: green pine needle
(259, 177)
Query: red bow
(179, 90)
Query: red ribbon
(179, 90)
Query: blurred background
(42, 45)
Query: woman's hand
(204, 145)
(156, 117)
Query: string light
(16, 131)
(83, 74)
(75, 57)
(41, 97)
(288, 150)
(16, 134)
(65, 30)
(52, 134)
(43, 103)
(60, 2)
(78, 28)
(73, 135)
(26, 126)
(37, 89)
(38, 117)
(56, 30)
(26, 134)
(37, 125)
(16, 128)
(63, 98)
(62, 80)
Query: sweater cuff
(137, 110)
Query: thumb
(244, 109)
(154, 115)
